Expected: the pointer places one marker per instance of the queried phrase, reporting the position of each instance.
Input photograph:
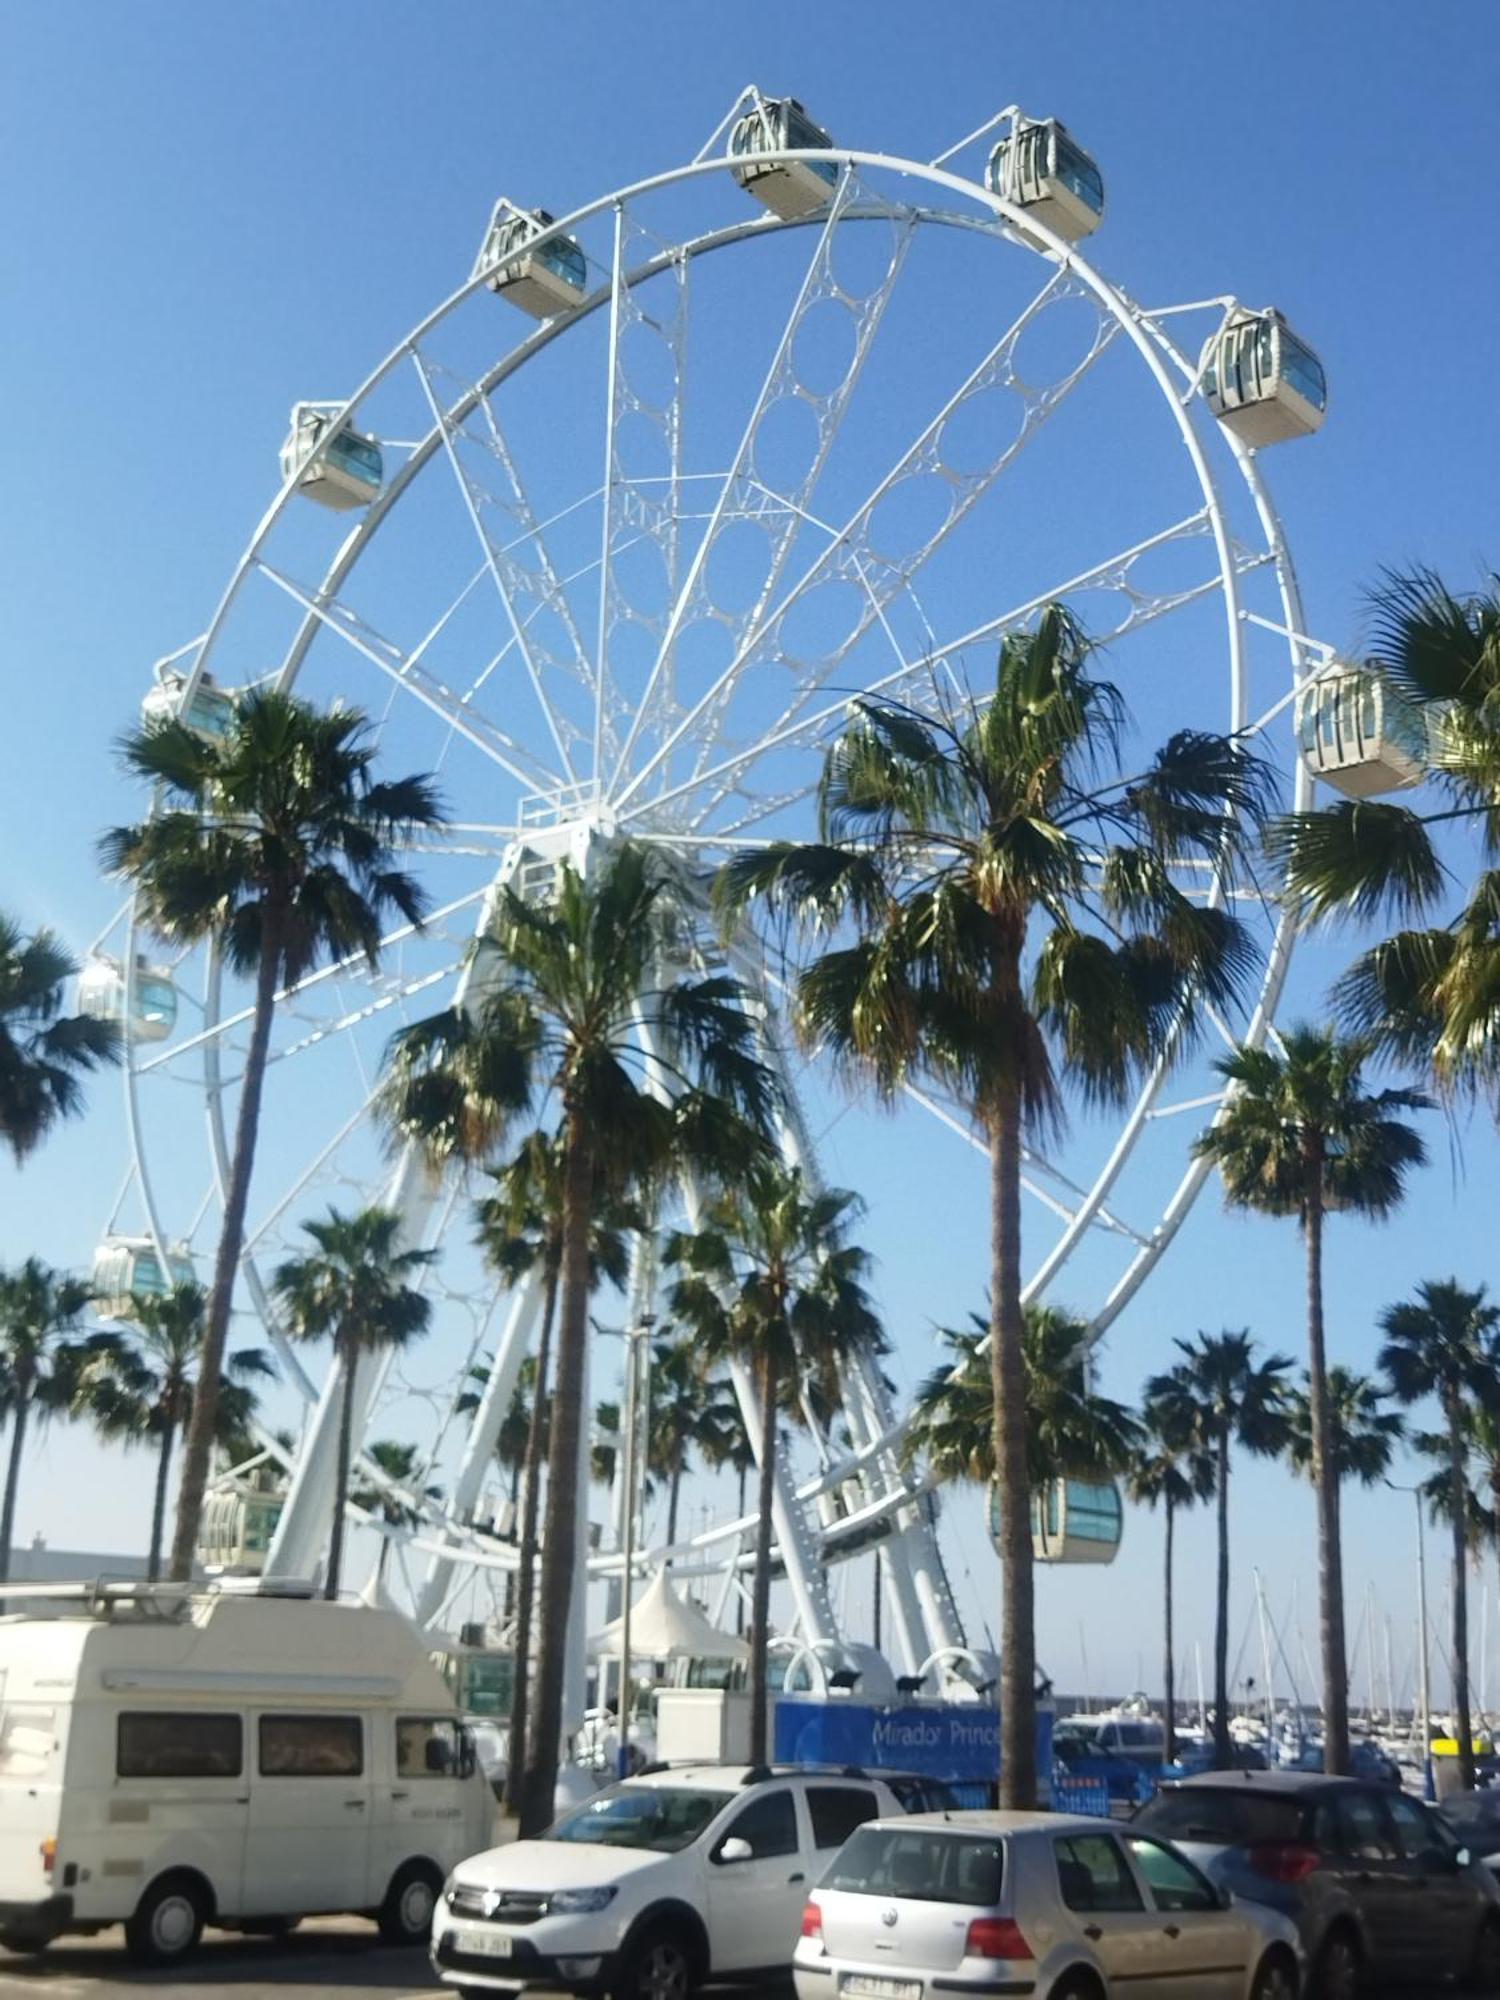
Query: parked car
(1049, 1904)
(169, 1760)
(1378, 1887)
(654, 1884)
(1473, 1818)
(1193, 1758)
(1366, 1760)
(1077, 1756)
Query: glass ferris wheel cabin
(544, 280)
(789, 188)
(1359, 736)
(209, 712)
(127, 1265)
(1039, 168)
(1072, 1521)
(341, 471)
(1261, 381)
(153, 997)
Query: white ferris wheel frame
(1176, 376)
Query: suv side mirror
(1462, 1857)
(734, 1849)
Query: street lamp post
(635, 1340)
(1428, 1788)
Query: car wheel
(1077, 1986)
(1276, 1979)
(1484, 1967)
(1336, 1976)
(168, 1922)
(660, 1966)
(405, 1917)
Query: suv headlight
(579, 1902)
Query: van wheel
(660, 1966)
(405, 1917)
(168, 1922)
(1276, 1979)
(23, 1943)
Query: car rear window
(1224, 1817)
(927, 1867)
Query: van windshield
(28, 1737)
(659, 1818)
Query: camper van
(170, 1759)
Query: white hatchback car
(946, 1904)
(653, 1886)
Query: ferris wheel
(609, 541)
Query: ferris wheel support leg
(926, 1618)
(804, 1573)
(479, 1447)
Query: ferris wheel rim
(995, 217)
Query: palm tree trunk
(198, 1446)
(1325, 1476)
(536, 1430)
(1458, 1500)
(739, 1595)
(560, 1530)
(1169, 1674)
(1222, 1749)
(673, 1491)
(19, 1414)
(159, 1505)
(1008, 1384)
(350, 1358)
(760, 1606)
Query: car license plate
(482, 1941)
(862, 1986)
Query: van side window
(311, 1746)
(179, 1744)
(837, 1810)
(432, 1747)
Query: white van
(169, 1760)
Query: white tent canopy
(664, 1626)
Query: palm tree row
(985, 910)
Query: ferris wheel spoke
(852, 550)
(802, 723)
(289, 995)
(742, 495)
(255, 1236)
(502, 574)
(406, 671)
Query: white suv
(653, 1886)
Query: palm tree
(1363, 1434)
(1020, 926)
(1169, 1470)
(1072, 1432)
(769, 1280)
(275, 843)
(521, 1230)
(1444, 1344)
(41, 1360)
(144, 1387)
(1299, 1135)
(584, 1011)
(352, 1289)
(1218, 1396)
(1429, 996)
(43, 1052)
(403, 1466)
(730, 1447)
(690, 1411)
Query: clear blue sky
(210, 212)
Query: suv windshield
(656, 1817)
(1221, 1817)
(927, 1867)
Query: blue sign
(954, 1740)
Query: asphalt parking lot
(322, 1960)
(325, 1958)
